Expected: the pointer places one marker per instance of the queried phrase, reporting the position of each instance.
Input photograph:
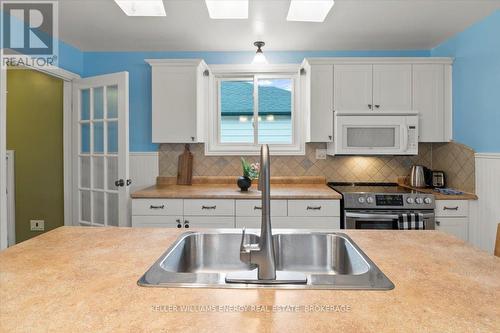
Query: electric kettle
(419, 176)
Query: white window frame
(213, 146)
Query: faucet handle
(244, 249)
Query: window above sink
(251, 106)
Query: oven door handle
(379, 216)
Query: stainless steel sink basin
(329, 260)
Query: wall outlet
(321, 154)
(37, 225)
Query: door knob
(120, 183)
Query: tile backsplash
(457, 161)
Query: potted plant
(250, 172)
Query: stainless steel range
(380, 205)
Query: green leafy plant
(250, 170)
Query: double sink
(328, 260)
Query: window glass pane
(236, 109)
(112, 209)
(98, 103)
(98, 207)
(85, 206)
(112, 169)
(85, 107)
(112, 100)
(275, 111)
(85, 172)
(98, 179)
(85, 138)
(113, 137)
(98, 138)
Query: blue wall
(95, 63)
(476, 83)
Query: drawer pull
(209, 207)
(438, 223)
(313, 207)
(450, 208)
(157, 207)
(186, 224)
(257, 208)
(179, 225)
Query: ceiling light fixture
(309, 10)
(227, 9)
(142, 7)
(259, 57)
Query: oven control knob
(428, 201)
(361, 199)
(419, 201)
(409, 200)
(369, 200)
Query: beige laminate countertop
(231, 191)
(80, 279)
(440, 196)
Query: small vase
(244, 183)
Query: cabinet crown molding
(379, 60)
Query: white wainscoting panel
(485, 212)
(143, 169)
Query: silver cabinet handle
(377, 106)
(313, 207)
(438, 223)
(209, 207)
(186, 224)
(257, 208)
(179, 225)
(370, 106)
(157, 207)
(450, 208)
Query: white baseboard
(485, 212)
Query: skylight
(227, 9)
(142, 7)
(309, 10)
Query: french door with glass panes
(101, 175)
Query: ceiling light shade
(227, 9)
(142, 7)
(309, 10)
(259, 57)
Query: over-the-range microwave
(375, 134)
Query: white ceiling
(98, 25)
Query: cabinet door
(291, 222)
(456, 226)
(392, 88)
(174, 104)
(428, 100)
(139, 221)
(208, 222)
(352, 88)
(321, 113)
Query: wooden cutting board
(185, 167)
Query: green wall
(35, 133)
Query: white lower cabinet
(208, 222)
(229, 213)
(452, 217)
(291, 222)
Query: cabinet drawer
(452, 208)
(456, 226)
(156, 221)
(313, 208)
(209, 221)
(156, 207)
(326, 223)
(254, 208)
(209, 207)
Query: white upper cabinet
(429, 99)
(179, 91)
(392, 88)
(317, 82)
(353, 87)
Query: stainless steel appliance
(438, 179)
(379, 205)
(420, 176)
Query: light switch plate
(37, 225)
(321, 154)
